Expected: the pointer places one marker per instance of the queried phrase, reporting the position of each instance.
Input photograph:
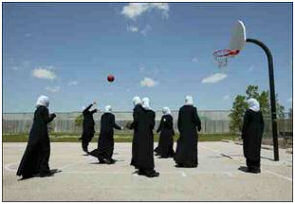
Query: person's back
(252, 131)
(150, 120)
(188, 118)
(165, 145)
(37, 153)
(106, 122)
(88, 120)
(88, 127)
(187, 144)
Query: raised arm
(87, 108)
(93, 111)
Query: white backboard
(238, 36)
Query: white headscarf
(166, 110)
(253, 104)
(42, 101)
(136, 100)
(189, 100)
(146, 103)
(108, 109)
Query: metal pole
(272, 96)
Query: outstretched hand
(128, 125)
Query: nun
(104, 151)
(252, 132)
(165, 147)
(137, 122)
(36, 156)
(187, 145)
(143, 125)
(88, 126)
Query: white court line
(267, 171)
(183, 174)
(212, 150)
(279, 175)
(8, 167)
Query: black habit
(143, 139)
(187, 145)
(36, 157)
(105, 146)
(252, 132)
(88, 127)
(165, 146)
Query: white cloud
(146, 29)
(214, 78)
(53, 89)
(226, 97)
(43, 73)
(290, 100)
(73, 83)
(15, 68)
(148, 82)
(195, 59)
(132, 29)
(133, 10)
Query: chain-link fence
(213, 122)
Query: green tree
(237, 113)
(240, 105)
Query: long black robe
(252, 132)
(187, 145)
(143, 124)
(105, 145)
(165, 147)
(36, 156)
(88, 127)
(137, 124)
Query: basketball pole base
(272, 95)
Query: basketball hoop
(221, 56)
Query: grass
(66, 137)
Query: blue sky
(163, 51)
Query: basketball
(111, 78)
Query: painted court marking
(267, 171)
(279, 175)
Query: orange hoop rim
(225, 53)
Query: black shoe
(107, 161)
(151, 174)
(48, 174)
(255, 170)
(179, 165)
(141, 172)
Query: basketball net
(221, 57)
